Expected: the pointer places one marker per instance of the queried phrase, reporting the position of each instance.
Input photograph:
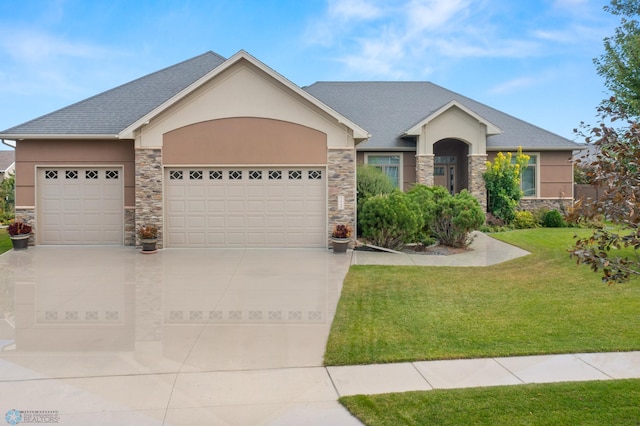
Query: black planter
(149, 246)
(20, 242)
(340, 245)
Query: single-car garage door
(80, 205)
(245, 207)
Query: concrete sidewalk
(484, 251)
(465, 373)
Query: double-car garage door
(245, 207)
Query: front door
(445, 176)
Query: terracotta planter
(20, 242)
(149, 245)
(340, 245)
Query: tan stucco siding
(32, 153)
(454, 124)
(555, 173)
(244, 91)
(245, 140)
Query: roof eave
(22, 136)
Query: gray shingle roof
(112, 111)
(7, 158)
(388, 109)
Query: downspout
(8, 144)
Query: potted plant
(148, 237)
(340, 238)
(19, 233)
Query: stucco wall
(245, 140)
(555, 173)
(32, 153)
(454, 124)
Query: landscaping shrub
(391, 220)
(448, 218)
(524, 220)
(502, 180)
(553, 219)
(371, 181)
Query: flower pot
(20, 242)
(149, 246)
(340, 245)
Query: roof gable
(415, 130)
(238, 58)
(7, 158)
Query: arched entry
(451, 166)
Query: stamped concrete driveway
(107, 335)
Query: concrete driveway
(107, 335)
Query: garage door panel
(247, 207)
(80, 206)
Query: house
(7, 164)
(229, 153)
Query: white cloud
(430, 15)
(348, 10)
(513, 85)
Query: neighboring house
(7, 164)
(228, 153)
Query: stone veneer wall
(149, 190)
(28, 216)
(533, 204)
(477, 167)
(341, 180)
(425, 169)
(129, 227)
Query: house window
(390, 164)
(529, 180)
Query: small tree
(502, 180)
(371, 181)
(616, 169)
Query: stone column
(477, 166)
(149, 190)
(341, 182)
(424, 169)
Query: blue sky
(531, 59)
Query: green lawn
(586, 403)
(540, 304)
(5, 242)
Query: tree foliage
(620, 64)
(502, 180)
(613, 250)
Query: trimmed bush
(370, 181)
(391, 220)
(448, 218)
(553, 219)
(524, 220)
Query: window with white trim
(390, 164)
(529, 180)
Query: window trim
(389, 154)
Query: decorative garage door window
(246, 207)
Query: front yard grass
(539, 304)
(585, 403)
(5, 242)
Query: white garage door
(80, 205)
(245, 207)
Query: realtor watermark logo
(14, 417)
